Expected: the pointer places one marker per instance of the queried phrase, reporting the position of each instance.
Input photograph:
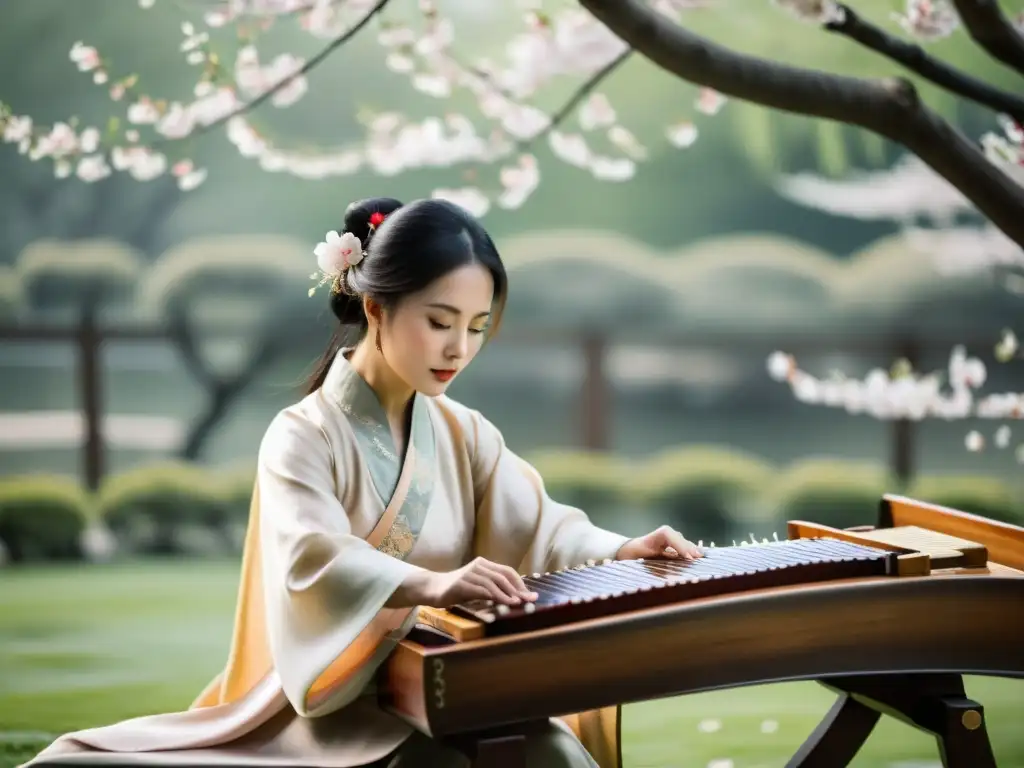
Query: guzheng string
(629, 576)
(612, 579)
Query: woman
(375, 493)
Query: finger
(676, 545)
(515, 580)
(686, 547)
(661, 542)
(464, 592)
(496, 592)
(504, 583)
(476, 592)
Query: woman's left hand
(664, 542)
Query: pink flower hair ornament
(338, 253)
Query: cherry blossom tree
(926, 207)
(584, 43)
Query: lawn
(85, 646)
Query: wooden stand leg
(498, 748)
(838, 736)
(500, 752)
(961, 734)
(935, 704)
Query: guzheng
(603, 589)
(890, 616)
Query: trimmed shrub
(597, 483)
(831, 492)
(707, 493)
(171, 508)
(985, 496)
(236, 491)
(42, 518)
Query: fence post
(596, 403)
(903, 450)
(90, 376)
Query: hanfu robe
(338, 521)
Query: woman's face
(433, 335)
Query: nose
(458, 346)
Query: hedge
(832, 492)
(709, 493)
(42, 517)
(584, 479)
(170, 508)
(985, 496)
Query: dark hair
(416, 244)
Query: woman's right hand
(481, 579)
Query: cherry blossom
(555, 46)
(470, 198)
(813, 11)
(563, 45)
(1008, 346)
(928, 20)
(1006, 150)
(906, 394)
(682, 134)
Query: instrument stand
(498, 748)
(934, 703)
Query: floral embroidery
(354, 397)
(403, 535)
(375, 429)
(399, 541)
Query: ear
(372, 309)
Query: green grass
(81, 647)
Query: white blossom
(813, 11)
(470, 198)
(928, 20)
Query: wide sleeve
(323, 586)
(517, 522)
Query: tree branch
(321, 56)
(990, 29)
(223, 394)
(889, 108)
(914, 58)
(180, 332)
(573, 101)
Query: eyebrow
(456, 311)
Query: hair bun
(358, 213)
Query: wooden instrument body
(963, 620)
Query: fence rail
(596, 404)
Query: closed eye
(438, 326)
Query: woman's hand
(664, 542)
(481, 579)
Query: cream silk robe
(322, 555)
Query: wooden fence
(596, 403)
